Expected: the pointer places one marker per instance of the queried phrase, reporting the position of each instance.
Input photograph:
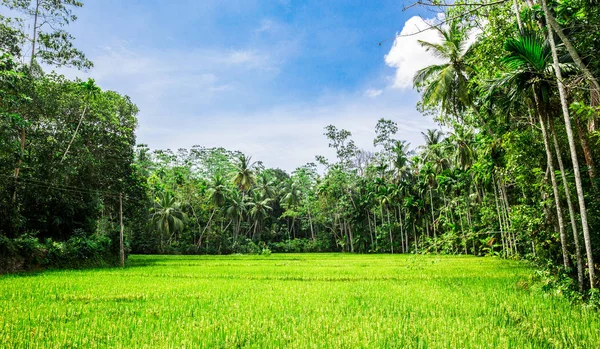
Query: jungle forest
(508, 178)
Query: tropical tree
(446, 85)
(167, 217)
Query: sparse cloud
(373, 92)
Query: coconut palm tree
(217, 194)
(235, 209)
(446, 85)
(244, 177)
(167, 217)
(259, 208)
(291, 197)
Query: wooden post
(122, 250)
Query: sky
(263, 77)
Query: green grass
(287, 300)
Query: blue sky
(262, 77)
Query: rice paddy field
(295, 301)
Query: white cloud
(407, 55)
(373, 92)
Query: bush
(80, 251)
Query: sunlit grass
(306, 300)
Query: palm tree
(167, 217)
(400, 158)
(259, 209)
(265, 186)
(244, 177)
(292, 195)
(529, 73)
(460, 143)
(235, 211)
(216, 194)
(446, 85)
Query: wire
(67, 188)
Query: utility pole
(122, 250)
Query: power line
(67, 188)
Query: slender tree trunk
(375, 226)
(121, 248)
(312, 231)
(500, 223)
(401, 229)
(570, 206)
(559, 213)
(207, 224)
(370, 228)
(74, 134)
(587, 152)
(415, 236)
(351, 238)
(433, 221)
(566, 116)
(518, 14)
(390, 230)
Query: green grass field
(297, 301)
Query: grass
(287, 300)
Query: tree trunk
(351, 238)
(587, 152)
(518, 14)
(390, 230)
(207, 224)
(570, 205)
(312, 232)
(433, 221)
(559, 213)
(74, 134)
(500, 223)
(401, 230)
(566, 116)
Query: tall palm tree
(235, 212)
(400, 158)
(167, 217)
(265, 186)
(259, 208)
(244, 177)
(291, 197)
(217, 194)
(446, 85)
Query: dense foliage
(66, 147)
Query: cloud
(407, 55)
(373, 92)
